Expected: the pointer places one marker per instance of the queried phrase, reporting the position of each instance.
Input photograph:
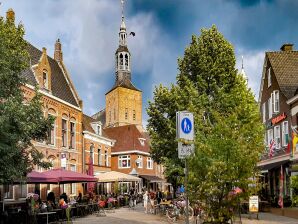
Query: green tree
(21, 121)
(229, 134)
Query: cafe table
(47, 214)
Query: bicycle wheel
(190, 213)
(171, 214)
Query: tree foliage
(228, 130)
(20, 121)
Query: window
(270, 108)
(139, 162)
(126, 61)
(73, 186)
(51, 135)
(149, 163)
(269, 136)
(126, 113)
(264, 112)
(110, 117)
(114, 114)
(277, 136)
(23, 190)
(8, 191)
(269, 77)
(121, 61)
(134, 114)
(275, 101)
(64, 133)
(45, 80)
(285, 133)
(106, 158)
(92, 152)
(124, 161)
(98, 129)
(72, 135)
(99, 157)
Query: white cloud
(253, 62)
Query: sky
(88, 30)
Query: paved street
(124, 215)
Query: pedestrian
(159, 196)
(152, 201)
(146, 199)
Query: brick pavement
(137, 216)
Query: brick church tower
(124, 100)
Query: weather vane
(122, 6)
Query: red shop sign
(279, 118)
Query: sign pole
(186, 191)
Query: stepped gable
(60, 87)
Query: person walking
(146, 198)
(159, 196)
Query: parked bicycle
(177, 210)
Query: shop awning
(113, 176)
(152, 179)
(271, 166)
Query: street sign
(254, 203)
(63, 160)
(185, 125)
(185, 150)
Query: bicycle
(177, 210)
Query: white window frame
(269, 77)
(277, 136)
(270, 107)
(139, 162)
(276, 101)
(73, 185)
(264, 112)
(285, 133)
(99, 156)
(149, 163)
(269, 136)
(123, 158)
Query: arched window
(121, 61)
(72, 134)
(45, 79)
(99, 157)
(126, 60)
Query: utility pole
(186, 191)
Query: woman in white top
(145, 198)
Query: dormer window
(45, 80)
(269, 77)
(98, 129)
(142, 141)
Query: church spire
(242, 70)
(122, 55)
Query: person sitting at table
(64, 196)
(79, 198)
(51, 199)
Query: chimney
(58, 53)
(10, 15)
(287, 47)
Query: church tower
(124, 100)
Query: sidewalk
(269, 218)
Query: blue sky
(88, 30)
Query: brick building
(278, 105)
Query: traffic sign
(185, 125)
(185, 150)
